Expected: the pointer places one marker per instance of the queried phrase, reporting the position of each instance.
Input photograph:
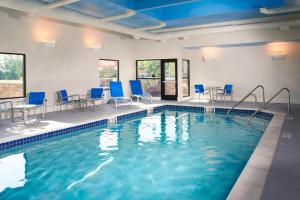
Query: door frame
(189, 76)
(163, 96)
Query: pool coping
(249, 184)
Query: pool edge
(243, 188)
(250, 183)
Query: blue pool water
(169, 155)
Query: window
(108, 71)
(185, 78)
(149, 73)
(12, 75)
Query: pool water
(169, 155)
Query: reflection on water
(12, 171)
(149, 129)
(185, 135)
(170, 123)
(164, 127)
(109, 140)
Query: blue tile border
(178, 108)
(134, 115)
(138, 114)
(244, 112)
(48, 135)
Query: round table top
(25, 106)
(213, 87)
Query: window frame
(118, 67)
(24, 75)
(188, 77)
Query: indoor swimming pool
(168, 155)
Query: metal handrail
(270, 100)
(250, 93)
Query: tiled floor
(63, 119)
(283, 179)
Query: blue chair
(227, 91)
(38, 99)
(95, 94)
(65, 99)
(137, 90)
(116, 92)
(199, 89)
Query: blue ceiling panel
(177, 13)
(150, 4)
(210, 7)
(95, 8)
(205, 20)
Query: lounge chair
(65, 99)
(95, 94)
(199, 89)
(137, 90)
(227, 91)
(116, 93)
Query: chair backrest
(136, 87)
(116, 89)
(96, 93)
(199, 88)
(228, 88)
(63, 96)
(36, 98)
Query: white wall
(70, 64)
(245, 67)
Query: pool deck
(282, 176)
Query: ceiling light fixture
(147, 28)
(128, 14)
(283, 10)
(57, 4)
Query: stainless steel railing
(249, 94)
(270, 100)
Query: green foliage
(108, 73)
(11, 67)
(149, 68)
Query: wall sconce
(207, 58)
(96, 48)
(277, 55)
(48, 43)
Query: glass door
(169, 79)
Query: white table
(212, 92)
(24, 109)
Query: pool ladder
(265, 104)
(270, 100)
(249, 94)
